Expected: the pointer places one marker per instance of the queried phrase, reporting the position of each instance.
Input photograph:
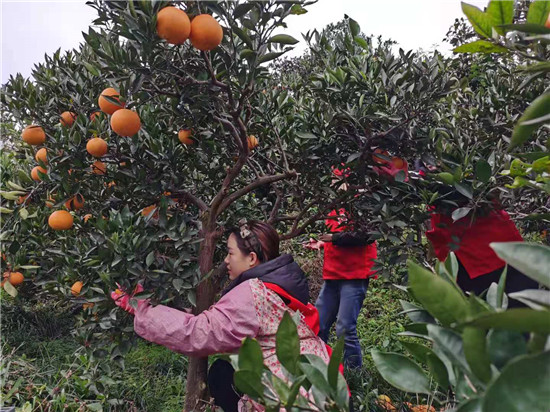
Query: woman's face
(237, 262)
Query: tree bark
(196, 390)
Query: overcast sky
(32, 28)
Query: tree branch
(190, 198)
(264, 180)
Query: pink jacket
(248, 310)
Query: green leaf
(438, 370)
(150, 258)
(5, 210)
(538, 108)
(475, 351)
(269, 56)
(480, 46)
(531, 259)
(316, 378)
(520, 320)
(283, 39)
(418, 350)
(415, 313)
(439, 297)
(243, 36)
(251, 357)
(471, 405)
(537, 67)
(500, 12)
(534, 298)
(246, 53)
(450, 343)
(297, 9)
(538, 12)
(401, 372)
(334, 363)
(460, 213)
(504, 345)
(92, 69)
(480, 21)
(464, 189)
(354, 27)
(483, 171)
(287, 344)
(242, 9)
(361, 42)
(522, 386)
(445, 177)
(249, 382)
(10, 289)
(526, 28)
(24, 213)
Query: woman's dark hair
(263, 240)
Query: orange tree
(141, 188)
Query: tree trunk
(197, 369)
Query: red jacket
(346, 262)
(470, 241)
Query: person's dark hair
(262, 234)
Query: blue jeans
(341, 301)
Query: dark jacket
(282, 271)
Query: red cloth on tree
(470, 240)
(351, 262)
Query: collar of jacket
(282, 271)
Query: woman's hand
(313, 244)
(122, 299)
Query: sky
(31, 29)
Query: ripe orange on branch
(398, 163)
(107, 106)
(35, 170)
(173, 25)
(99, 168)
(379, 159)
(252, 142)
(206, 32)
(125, 122)
(97, 147)
(184, 136)
(42, 156)
(15, 278)
(60, 220)
(75, 202)
(67, 118)
(76, 288)
(33, 135)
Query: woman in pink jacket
(247, 308)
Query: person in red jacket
(347, 267)
(469, 238)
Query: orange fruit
(95, 115)
(547, 24)
(22, 199)
(173, 25)
(60, 220)
(105, 105)
(42, 156)
(122, 164)
(33, 135)
(423, 408)
(88, 305)
(35, 170)
(398, 163)
(110, 184)
(99, 168)
(184, 135)
(206, 32)
(252, 142)
(87, 217)
(15, 278)
(125, 122)
(97, 147)
(379, 159)
(68, 118)
(75, 202)
(385, 403)
(76, 288)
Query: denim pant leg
(352, 295)
(327, 305)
